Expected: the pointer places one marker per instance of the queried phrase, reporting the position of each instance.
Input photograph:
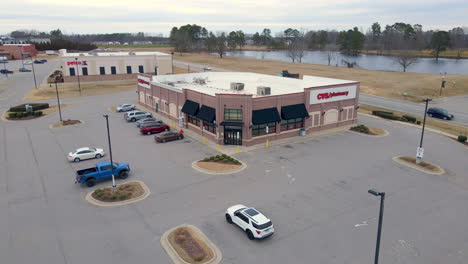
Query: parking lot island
(125, 193)
(423, 166)
(186, 244)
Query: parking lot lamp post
(379, 231)
(58, 99)
(78, 74)
(34, 74)
(427, 100)
(4, 66)
(110, 153)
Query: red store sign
(84, 63)
(322, 96)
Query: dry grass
(375, 131)
(66, 123)
(388, 84)
(123, 192)
(68, 90)
(451, 53)
(217, 166)
(177, 70)
(422, 165)
(189, 246)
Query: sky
(159, 16)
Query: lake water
(371, 62)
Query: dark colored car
(6, 71)
(38, 62)
(439, 113)
(24, 70)
(152, 128)
(43, 60)
(168, 136)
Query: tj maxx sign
(332, 94)
(84, 63)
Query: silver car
(136, 115)
(147, 120)
(125, 108)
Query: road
(456, 105)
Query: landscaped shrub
(361, 129)
(418, 122)
(35, 107)
(37, 113)
(122, 196)
(387, 115)
(11, 115)
(461, 138)
(206, 159)
(113, 196)
(409, 118)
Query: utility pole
(58, 99)
(420, 151)
(34, 74)
(110, 153)
(78, 74)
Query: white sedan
(28, 62)
(85, 153)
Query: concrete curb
(93, 201)
(81, 123)
(396, 159)
(196, 167)
(218, 256)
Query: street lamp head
(374, 192)
(427, 100)
(76, 59)
(106, 116)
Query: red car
(168, 136)
(149, 129)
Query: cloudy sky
(159, 16)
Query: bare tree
(296, 47)
(405, 58)
(331, 53)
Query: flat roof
(220, 82)
(117, 53)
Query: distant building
(15, 50)
(142, 42)
(39, 40)
(104, 66)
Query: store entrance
(232, 135)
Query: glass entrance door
(232, 135)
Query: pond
(370, 62)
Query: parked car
(6, 71)
(152, 128)
(207, 68)
(168, 136)
(439, 113)
(24, 70)
(250, 220)
(136, 115)
(28, 62)
(44, 61)
(147, 121)
(125, 107)
(38, 62)
(85, 153)
(102, 171)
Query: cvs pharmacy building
(239, 108)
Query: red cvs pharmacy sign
(332, 94)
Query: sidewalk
(229, 149)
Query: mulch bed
(70, 122)
(189, 246)
(422, 164)
(123, 192)
(218, 166)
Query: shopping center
(241, 108)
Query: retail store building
(103, 66)
(18, 51)
(239, 108)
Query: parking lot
(314, 191)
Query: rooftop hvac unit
(263, 90)
(170, 84)
(131, 53)
(199, 80)
(81, 54)
(237, 86)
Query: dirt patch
(123, 192)
(218, 166)
(423, 165)
(178, 70)
(190, 246)
(66, 123)
(68, 90)
(443, 126)
(382, 83)
(375, 131)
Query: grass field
(382, 83)
(421, 53)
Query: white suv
(133, 116)
(125, 108)
(254, 223)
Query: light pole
(58, 99)
(78, 74)
(379, 231)
(420, 151)
(34, 74)
(110, 152)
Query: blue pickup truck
(102, 171)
